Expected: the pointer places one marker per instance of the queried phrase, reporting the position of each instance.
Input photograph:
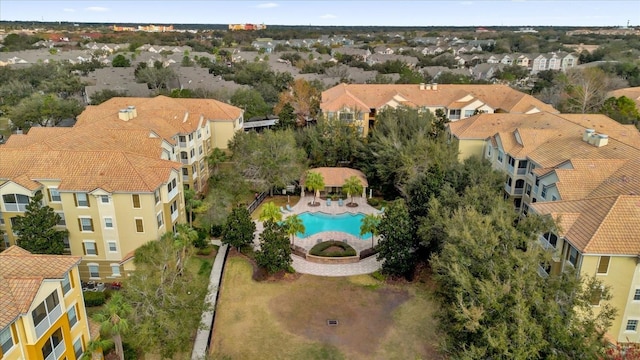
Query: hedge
(94, 298)
(318, 249)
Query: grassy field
(288, 319)
(279, 200)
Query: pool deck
(358, 243)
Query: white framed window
(113, 247)
(104, 199)
(66, 284)
(632, 325)
(636, 295)
(62, 221)
(543, 194)
(115, 270)
(192, 153)
(6, 340)
(77, 348)
(54, 195)
(108, 223)
(72, 315)
(50, 347)
(94, 271)
(156, 194)
(139, 225)
(500, 156)
(15, 202)
(89, 247)
(160, 219)
(572, 256)
(200, 150)
(85, 224)
(82, 200)
(468, 113)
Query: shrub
(203, 239)
(373, 202)
(367, 252)
(216, 231)
(319, 249)
(94, 298)
(205, 251)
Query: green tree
(186, 61)
(113, 321)
(183, 240)
(352, 185)
(239, 228)
(331, 143)
(194, 205)
(314, 182)
(621, 109)
(214, 160)
(397, 245)
(156, 78)
(294, 225)
(268, 159)
(103, 95)
(369, 225)
(43, 110)
(37, 228)
(120, 61)
(584, 90)
(275, 252)
(286, 118)
(270, 212)
(252, 102)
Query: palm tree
(182, 240)
(370, 225)
(270, 212)
(351, 186)
(215, 159)
(95, 348)
(294, 225)
(314, 182)
(113, 320)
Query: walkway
(201, 345)
(366, 266)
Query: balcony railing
(46, 323)
(510, 168)
(522, 171)
(185, 177)
(185, 161)
(174, 216)
(454, 117)
(542, 272)
(183, 144)
(173, 193)
(507, 188)
(545, 243)
(518, 191)
(57, 352)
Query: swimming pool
(318, 222)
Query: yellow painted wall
(468, 148)
(222, 132)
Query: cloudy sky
(346, 12)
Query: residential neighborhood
(242, 190)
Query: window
(193, 153)
(104, 199)
(489, 151)
(93, 270)
(454, 114)
(15, 202)
(636, 295)
(173, 207)
(66, 283)
(553, 198)
(160, 219)
(6, 340)
(201, 165)
(44, 310)
(185, 172)
(194, 169)
(171, 185)
(54, 195)
(551, 238)
(156, 194)
(346, 117)
(632, 325)
(81, 199)
(468, 113)
(136, 201)
(89, 248)
(525, 209)
(572, 256)
(77, 348)
(596, 296)
(199, 134)
(139, 226)
(500, 156)
(603, 265)
(71, 314)
(85, 224)
(182, 139)
(51, 346)
(190, 136)
(108, 223)
(62, 221)
(544, 192)
(527, 190)
(200, 150)
(511, 160)
(115, 270)
(112, 246)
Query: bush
(216, 231)
(319, 249)
(93, 298)
(205, 251)
(373, 202)
(367, 252)
(203, 239)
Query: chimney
(421, 86)
(132, 111)
(434, 86)
(601, 140)
(124, 114)
(587, 134)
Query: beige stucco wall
(471, 147)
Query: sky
(331, 13)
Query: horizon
(465, 13)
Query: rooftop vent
(597, 140)
(124, 115)
(133, 111)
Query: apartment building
(43, 315)
(116, 178)
(583, 170)
(359, 103)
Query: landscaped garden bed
(333, 249)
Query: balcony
(174, 216)
(507, 188)
(46, 323)
(183, 144)
(545, 243)
(518, 191)
(185, 178)
(57, 352)
(542, 272)
(173, 193)
(510, 168)
(522, 171)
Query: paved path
(366, 266)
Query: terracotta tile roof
(336, 176)
(112, 171)
(368, 96)
(605, 225)
(586, 175)
(164, 115)
(624, 181)
(21, 274)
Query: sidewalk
(366, 266)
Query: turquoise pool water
(318, 222)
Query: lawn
(279, 200)
(288, 319)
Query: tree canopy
(397, 244)
(314, 181)
(37, 228)
(239, 228)
(275, 252)
(43, 110)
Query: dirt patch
(352, 205)
(333, 249)
(363, 315)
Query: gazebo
(335, 177)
